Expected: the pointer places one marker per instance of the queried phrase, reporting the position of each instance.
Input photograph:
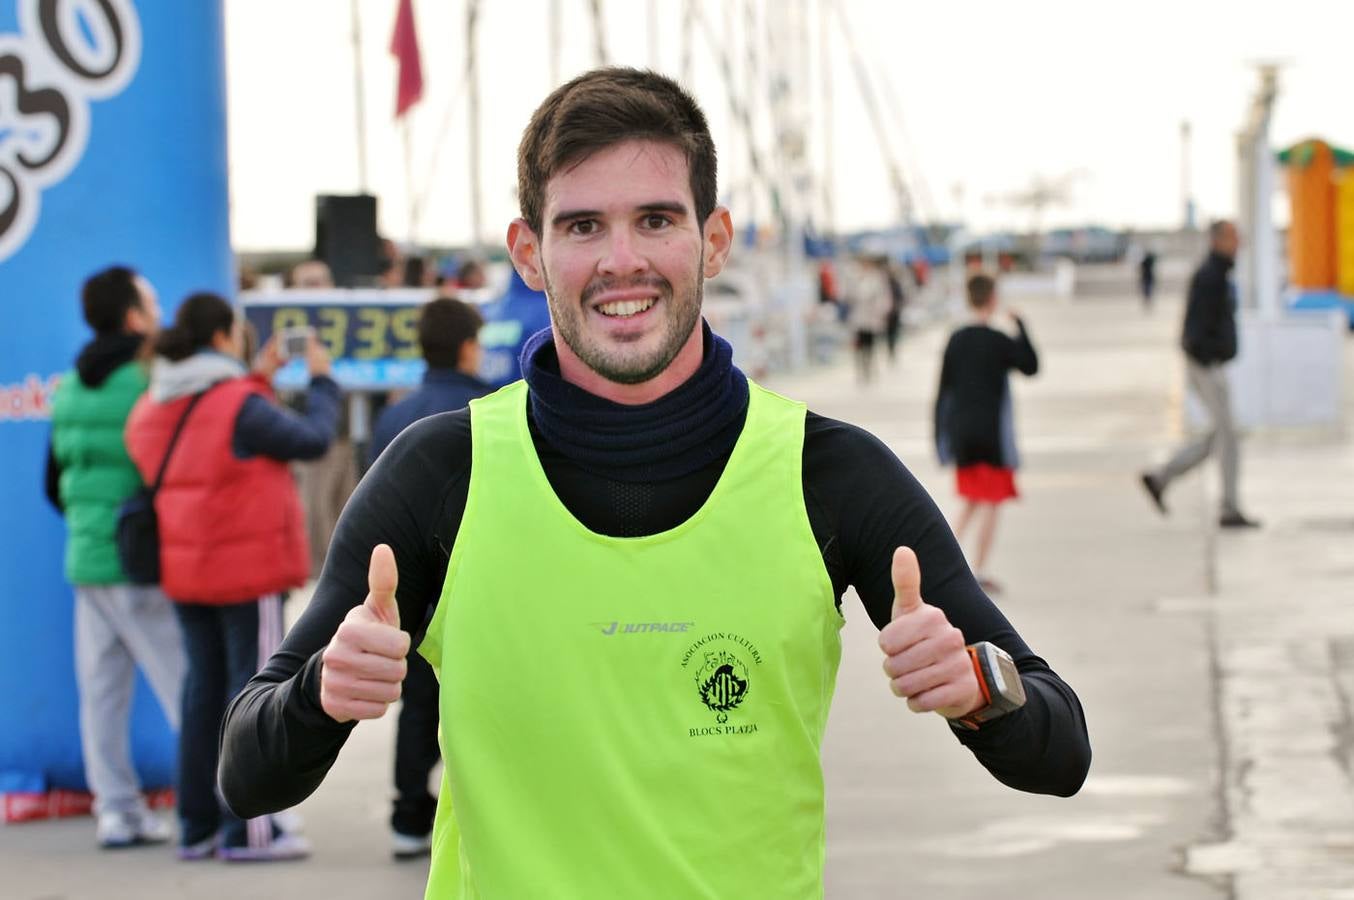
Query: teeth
(625, 307)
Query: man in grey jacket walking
(1209, 342)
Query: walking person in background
(974, 416)
(232, 537)
(869, 299)
(893, 319)
(827, 283)
(1147, 277)
(470, 276)
(119, 626)
(448, 335)
(1209, 342)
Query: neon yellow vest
(633, 717)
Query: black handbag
(138, 529)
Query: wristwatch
(999, 681)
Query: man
(392, 265)
(119, 626)
(1209, 342)
(1147, 277)
(448, 337)
(471, 276)
(634, 558)
(893, 322)
(447, 334)
(311, 274)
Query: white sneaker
(289, 821)
(282, 847)
(410, 846)
(130, 828)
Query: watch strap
(994, 704)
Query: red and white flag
(404, 47)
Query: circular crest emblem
(722, 682)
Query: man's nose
(622, 256)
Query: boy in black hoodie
(974, 420)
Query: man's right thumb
(382, 577)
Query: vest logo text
(609, 628)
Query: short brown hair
(604, 107)
(981, 287)
(444, 325)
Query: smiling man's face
(622, 258)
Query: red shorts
(986, 484)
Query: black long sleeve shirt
(973, 391)
(278, 743)
(1209, 336)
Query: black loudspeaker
(346, 239)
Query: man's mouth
(625, 308)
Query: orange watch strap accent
(978, 671)
(971, 721)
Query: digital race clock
(372, 335)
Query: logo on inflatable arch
(67, 53)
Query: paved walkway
(1084, 560)
(1220, 723)
(1283, 631)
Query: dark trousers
(865, 354)
(893, 329)
(222, 646)
(416, 750)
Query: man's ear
(468, 355)
(135, 321)
(524, 248)
(718, 241)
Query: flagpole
(405, 128)
(688, 29)
(827, 123)
(359, 100)
(554, 43)
(472, 77)
(598, 33)
(404, 46)
(653, 35)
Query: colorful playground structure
(1321, 232)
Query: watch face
(1005, 675)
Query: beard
(622, 363)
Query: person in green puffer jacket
(118, 625)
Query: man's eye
(656, 221)
(582, 226)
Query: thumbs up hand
(925, 658)
(362, 668)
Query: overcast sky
(990, 94)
